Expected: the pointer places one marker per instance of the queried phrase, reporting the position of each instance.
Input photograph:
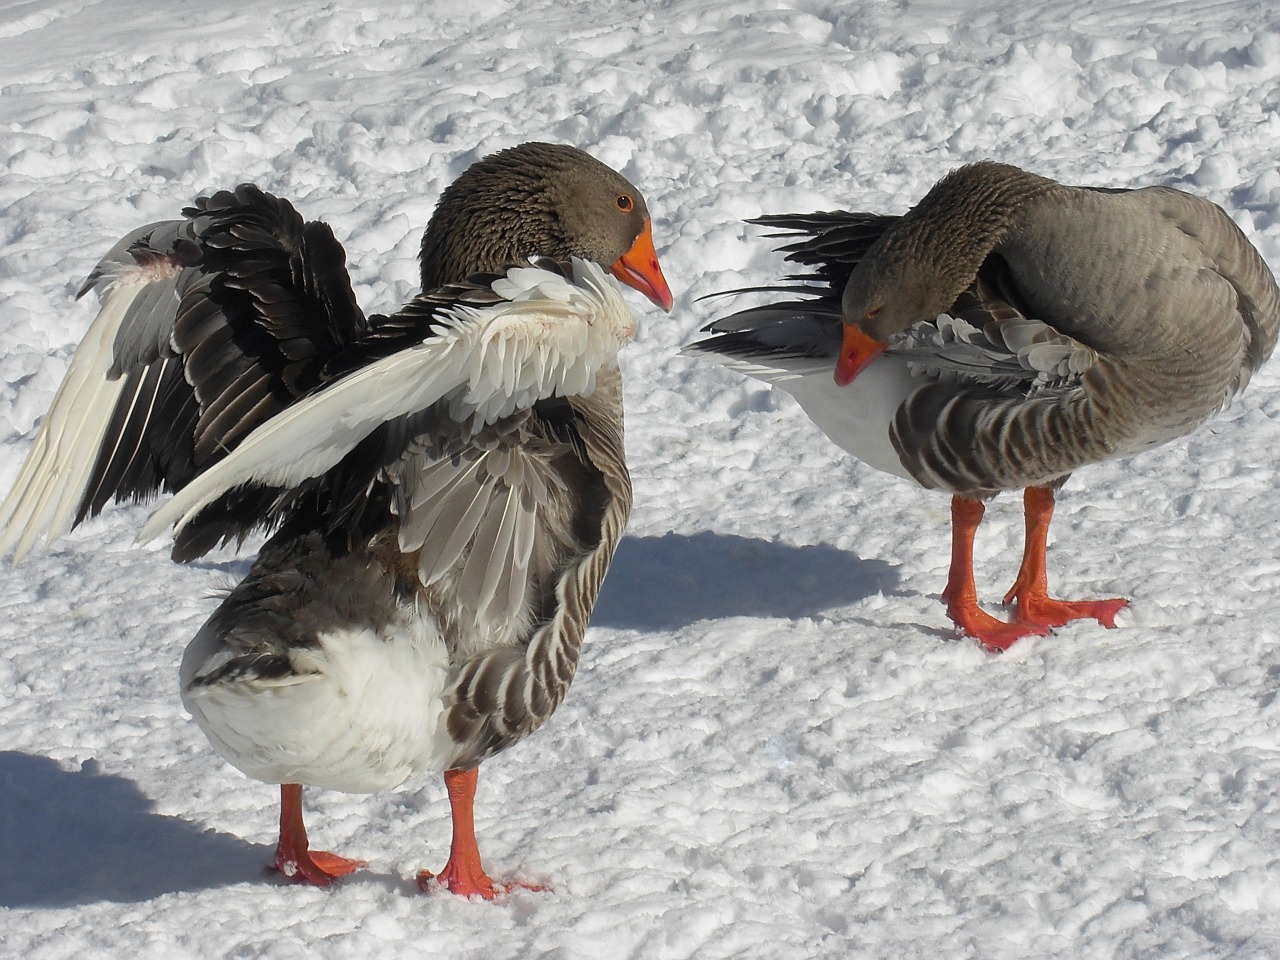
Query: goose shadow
(69, 838)
(670, 581)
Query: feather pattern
(1006, 387)
(546, 337)
(207, 328)
(446, 484)
(504, 694)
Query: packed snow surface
(776, 747)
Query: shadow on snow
(78, 837)
(667, 582)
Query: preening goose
(446, 484)
(1005, 331)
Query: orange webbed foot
(317, 867)
(468, 883)
(294, 857)
(1038, 608)
(463, 874)
(994, 634)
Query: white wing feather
(51, 484)
(548, 339)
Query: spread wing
(209, 327)
(546, 334)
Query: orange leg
(463, 874)
(293, 858)
(1031, 588)
(961, 594)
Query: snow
(775, 746)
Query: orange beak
(856, 352)
(638, 268)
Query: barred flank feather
(503, 696)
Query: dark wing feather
(350, 500)
(803, 329)
(248, 306)
(831, 242)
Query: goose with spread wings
(1004, 332)
(444, 487)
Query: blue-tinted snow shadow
(69, 838)
(666, 582)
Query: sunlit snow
(775, 747)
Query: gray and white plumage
(446, 485)
(1033, 327)
(488, 519)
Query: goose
(443, 486)
(1005, 331)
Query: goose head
(542, 199)
(930, 255)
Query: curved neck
(966, 215)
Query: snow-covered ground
(775, 747)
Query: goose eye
(626, 204)
(873, 313)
